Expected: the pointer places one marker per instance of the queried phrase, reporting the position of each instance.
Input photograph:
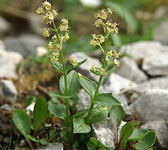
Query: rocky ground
(140, 83)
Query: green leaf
(44, 142)
(124, 13)
(116, 115)
(99, 113)
(88, 85)
(79, 125)
(33, 139)
(81, 113)
(138, 134)
(58, 95)
(125, 133)
(146, 142)
(106, 99)
(95, 144)
(40, 112)
(70, 67)
(57, 109)
(29, 100)
(22, 121)
(72, 84)
(58, 67)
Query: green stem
(68, 123)
(88, 118)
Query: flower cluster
(61, 33)
(73, 61)
(98, 70)
(108, 26)
(114, 55)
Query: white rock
(156, 65)
(5, 26)
(85, 68)
(40, 51)
(8, 68)
(104, 132)
(7, 89)
(156, 83)
(91, 3)
(151, 105)
(161, 129)
(142, 50)
(161, 33)
(129, 69)
(118, 84)
(14, 56)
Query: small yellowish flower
(56, 54)
(57, 47)
(53, 59)
(54, 38)
(40, 11)
(63, 28)
(93, 42)
(46, 33)
(65, 38)
(110, 54)
(50, 46)
(102, 14)
(109, 11)
(73, 61)
(64, 21)
(116, 62)
(46, 5)
(55, 14)
(98, 23)
(94, 68)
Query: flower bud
(50, 46)
(63, 28)
(64, 21)
(55, 14)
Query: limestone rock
(151, 105)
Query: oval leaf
(116, 115)
(22, 121)
(125, 133)
(79, 125)
(106, 99)
(72, 84)
(40, 112)
(146, 142)
(138, 134)
(57, 109)
(88, 85)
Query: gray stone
(105, 133)
(2, 45)
(8, 68)
(161, 83)
(35, 23)
(25, 45)
(142, 50)
(118, 84)
(53, 146)
(7, 89)
(156, 65)
(6, 107)
(160, 12)
(6, 140)
(85, 68)
(129, 69)
(161, 129)
(161, 33)
(5, 26)
(151, 105)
